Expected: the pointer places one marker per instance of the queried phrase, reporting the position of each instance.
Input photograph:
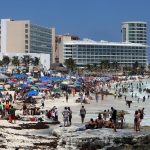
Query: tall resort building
(125, 53)
(134, 32)
(21, 36)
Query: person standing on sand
(137, 121)
(104, 115)
(66, 97)
(82, 113)
(12, 114)
(42, 101)
(56, 113)
(96, 97)
(24, 107)
(125, 98)
(114, 118)
(65, 114)
(144, 98)
(70, 115)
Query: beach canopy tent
(2, 76)
(46, 78)
(23, 86)
(32, 93)
(103, 79)
(19, 76)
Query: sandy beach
(22, 137)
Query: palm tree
(105, 64)
(6, 60)
(26, 59)
(135, 67)
(70, 63)
(15, 61)
(35, 61)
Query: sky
(94, 19)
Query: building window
(26, 30)
(26, 41)
(26, 36)
(26, 46)
(26, 25)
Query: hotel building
(91, 52)
(134, 32)
(21, 36)
(132, 48)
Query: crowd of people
(112, 120)
(88, 91)
(7, 111)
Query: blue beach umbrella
(23, 85)
(19, 76)
(32, 93)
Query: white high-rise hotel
(132, 48)
(134, 32)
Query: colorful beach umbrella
(32, 93)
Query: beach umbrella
(56, 90)
(32, 93)
(44, 79)
(23, 85)
(34, 88)
(19, 76)
(10, 82)
(44, 83)
(13, 80)
(44, 89)
(43, 86)
(29, 80)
